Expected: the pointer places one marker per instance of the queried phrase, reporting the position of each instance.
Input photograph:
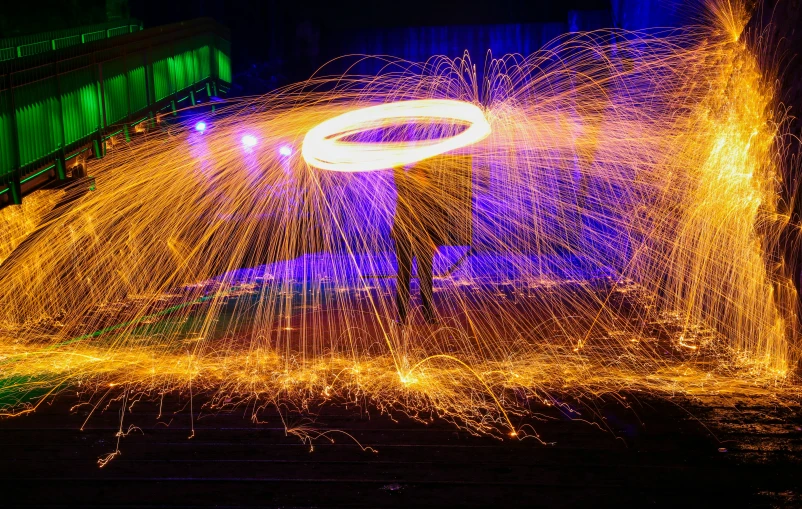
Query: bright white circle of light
(323, 146)
(249, 141)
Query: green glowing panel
(137, 89)
(38, 120)
(201, 62)
(223, 66)
(7, 148)
(79, 104)
(33, 48)
(189, 67)
(137, 84)
(115, 90)
(113, 32)
(162, 78)
(182, 78)
(93, 36)
(66, 42)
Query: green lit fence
(27, 45)
(58, 103)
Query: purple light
(249, 141)
(200, 126)
(285, 150)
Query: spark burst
(624, 197)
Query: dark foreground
(660, 455)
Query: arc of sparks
(324, 147)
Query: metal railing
(27, 45)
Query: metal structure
(27, 45)
(60, 103)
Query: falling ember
(622, 197)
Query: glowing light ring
(323, 146)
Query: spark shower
(623, 191)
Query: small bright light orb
(249, 141)
(200, 126)
(285, 150)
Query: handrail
(25, 45)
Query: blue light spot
(200, 126)
(285, 150)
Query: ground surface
(661, 453)
(644, 451)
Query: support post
(127, 134)
(16, 188)
(214, 92)
(172, 106)
(192, 97)
(98, 147)
(61, 168)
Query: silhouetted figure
(418, 228)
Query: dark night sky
(254, 17)
(251, 14)
(267, 30)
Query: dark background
(274, 42)
(268, 29)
